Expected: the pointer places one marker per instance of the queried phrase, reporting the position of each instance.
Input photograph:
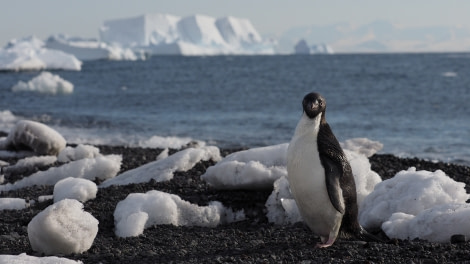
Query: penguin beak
(314, 105)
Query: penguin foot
(321, 245)
(326, 244)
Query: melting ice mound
(191, 35)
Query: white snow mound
(436, 224)
(141, 210)
(77, 153)
(255, 168)
(62, 228)
(81, 190)
(410, 192)
(102, 167)
(163, 169)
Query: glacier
(197, 34)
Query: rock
(454, 239)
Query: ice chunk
(62, 228)
(163, 169)
(79, 152)
(29, 54)
(75, 188)
(410, 192)
(102, 167)
(22, 166)
(36, 136)
(281, 205)
(12, 204)
(46, 83)
(139, 211)
(25, 259)
(256, 168)
(436, 224)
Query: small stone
(458, 239)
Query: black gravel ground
(251, 241)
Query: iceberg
(91, 49)
(303, 48)
(30, 54)
(191, 35)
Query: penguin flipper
(333, 174)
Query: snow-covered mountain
(191, 35)
(379, 36)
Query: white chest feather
(307, 178)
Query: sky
(21, 18)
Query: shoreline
(253, 240)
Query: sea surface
(417, 105)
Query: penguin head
(314, 104)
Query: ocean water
(417, 105)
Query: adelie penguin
(320, 177)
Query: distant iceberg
(30, 54)
(303, 48)
(90, 49)
(191, 35)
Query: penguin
(320, 177)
